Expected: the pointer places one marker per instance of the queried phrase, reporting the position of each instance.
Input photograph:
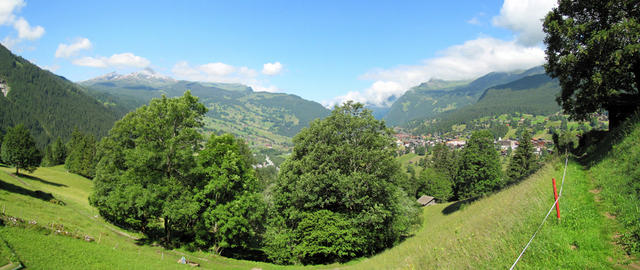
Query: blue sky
(327, 51)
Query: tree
(436, 183)
(523, 162)
(593, 50)
(154, 169)
(145, 168)
(479, 170)
(338, 195)
(19, 149)
(231, 209)
(82, 154)
(55, 153)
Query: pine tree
(523, 162)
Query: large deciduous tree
(19, 149)
(593, 48)
(479, 170)
(338, 194)
(153, 168)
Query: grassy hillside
(485, 234)
(48, 105)
(613, 162)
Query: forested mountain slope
(434, 97)
(533, 94)
(47, 104)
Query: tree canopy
(154, 169)
(19, 149)
(479, 170)
(82, 154)
(338, 194)
(593, 48)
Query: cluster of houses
(411, 142)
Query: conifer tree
(523, 162)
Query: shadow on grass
(42, 180)
(457, 206)
(38, 194)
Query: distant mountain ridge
(262, 118)
(437, 96)
(533, 94)
(47, 104)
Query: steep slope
(434, 97)
(49, 105)
(533, 94)
(260, 117)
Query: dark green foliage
(342, 175)
(479, 170)
(524, 161)
(436, 183)
(565, 141)
(593, 49)
(227, 195)
(82, 154)
(48, 105)
(19, 149)
(55, 153)
(152, 168)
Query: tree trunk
(17, 172)
(167, 230)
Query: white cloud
(524, 17)
(7, 9)
(272, 68)
(469, 60)
(25, 31)
(68, 50)
(217, 69)
(223, 73)
(89, 62)
(122, 60)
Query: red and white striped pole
(555, 195)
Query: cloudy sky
(327, 51)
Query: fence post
(555, 195)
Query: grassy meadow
(488, 233)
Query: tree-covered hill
(260, 117)
(533, 94)
(434, 97)
(47, 104)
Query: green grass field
(486, 234)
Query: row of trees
(338, 196)
(18, 149)
(473, 171)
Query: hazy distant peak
(148, 74)
(145, 75)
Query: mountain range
(437, 96)
(262, 118)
